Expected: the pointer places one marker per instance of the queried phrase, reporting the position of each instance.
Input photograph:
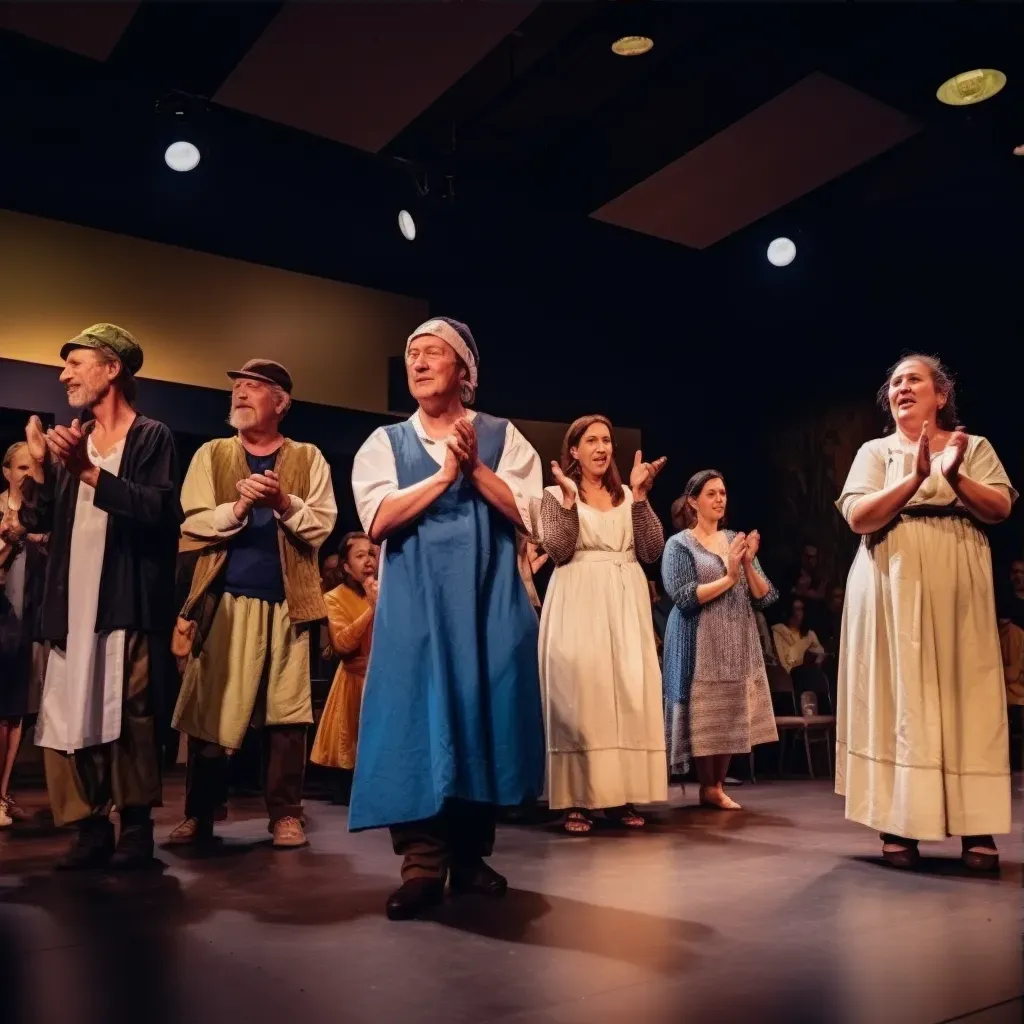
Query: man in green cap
(106, 492)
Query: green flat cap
(110, 336)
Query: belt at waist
(616, 557)
(936, 512)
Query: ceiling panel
(358, 73)
(89, 29)
(813, 132)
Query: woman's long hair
(682, 510)
(790, 601)
(611, 481)
(943, 381)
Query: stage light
(632, 46)
(181, 156)
(971, 87)
(407, 225)
(781, 252)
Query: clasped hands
(742, 552)
(261, 490)
(950, 460)
(462, 451)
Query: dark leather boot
(93, 846)
(415, 896)
(135, 844)
(477, 878)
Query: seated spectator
(799, 651)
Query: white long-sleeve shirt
(375, 475)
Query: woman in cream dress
(599, 670)
(922, 749)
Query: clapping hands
(641, 477)
(736, 557)
(264, 490)
(952, 457)
(569, 489)
(69, 446)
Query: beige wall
(197, 315)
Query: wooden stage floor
(780, 912)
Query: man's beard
(83, 397)
(242, 418)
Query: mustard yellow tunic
(350, 622)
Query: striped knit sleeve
(648, 533)
(559, 529)
(679, 575)
(760, 603)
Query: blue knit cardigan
(679, 656)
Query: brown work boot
(93, 847)
(191, 832)
(414, 897)
(288, 834)
(477, 878)
(135, 844)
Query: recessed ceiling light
(781, 252)
(181, 156)
(632, 46)
(971, 87)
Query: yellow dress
(350, 623)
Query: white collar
(417, 425)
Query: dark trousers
(284, 769)
(459, 837)
(123, 774)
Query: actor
(451, 727)
(258, 506)
(106, 492)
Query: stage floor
(780, 912)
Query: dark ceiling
(739, 110)
(625, 180)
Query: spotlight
(971, 87)
(181, 156)
(407, 225)
(781, 252)
(632, 46)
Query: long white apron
(82, 693)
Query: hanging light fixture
(971, 87)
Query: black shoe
(414, 896)
(478, 879)
(93, 848)
(134, 846)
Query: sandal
(576, 823)
(626, 816)
(905, 856)
(979, 853)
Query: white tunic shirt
(375, 476)
(81, 705)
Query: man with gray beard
(106, 492)
(257, 506)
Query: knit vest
(298, 560)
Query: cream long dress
(599, 671)
(922, 746)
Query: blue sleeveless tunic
(451, 707)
